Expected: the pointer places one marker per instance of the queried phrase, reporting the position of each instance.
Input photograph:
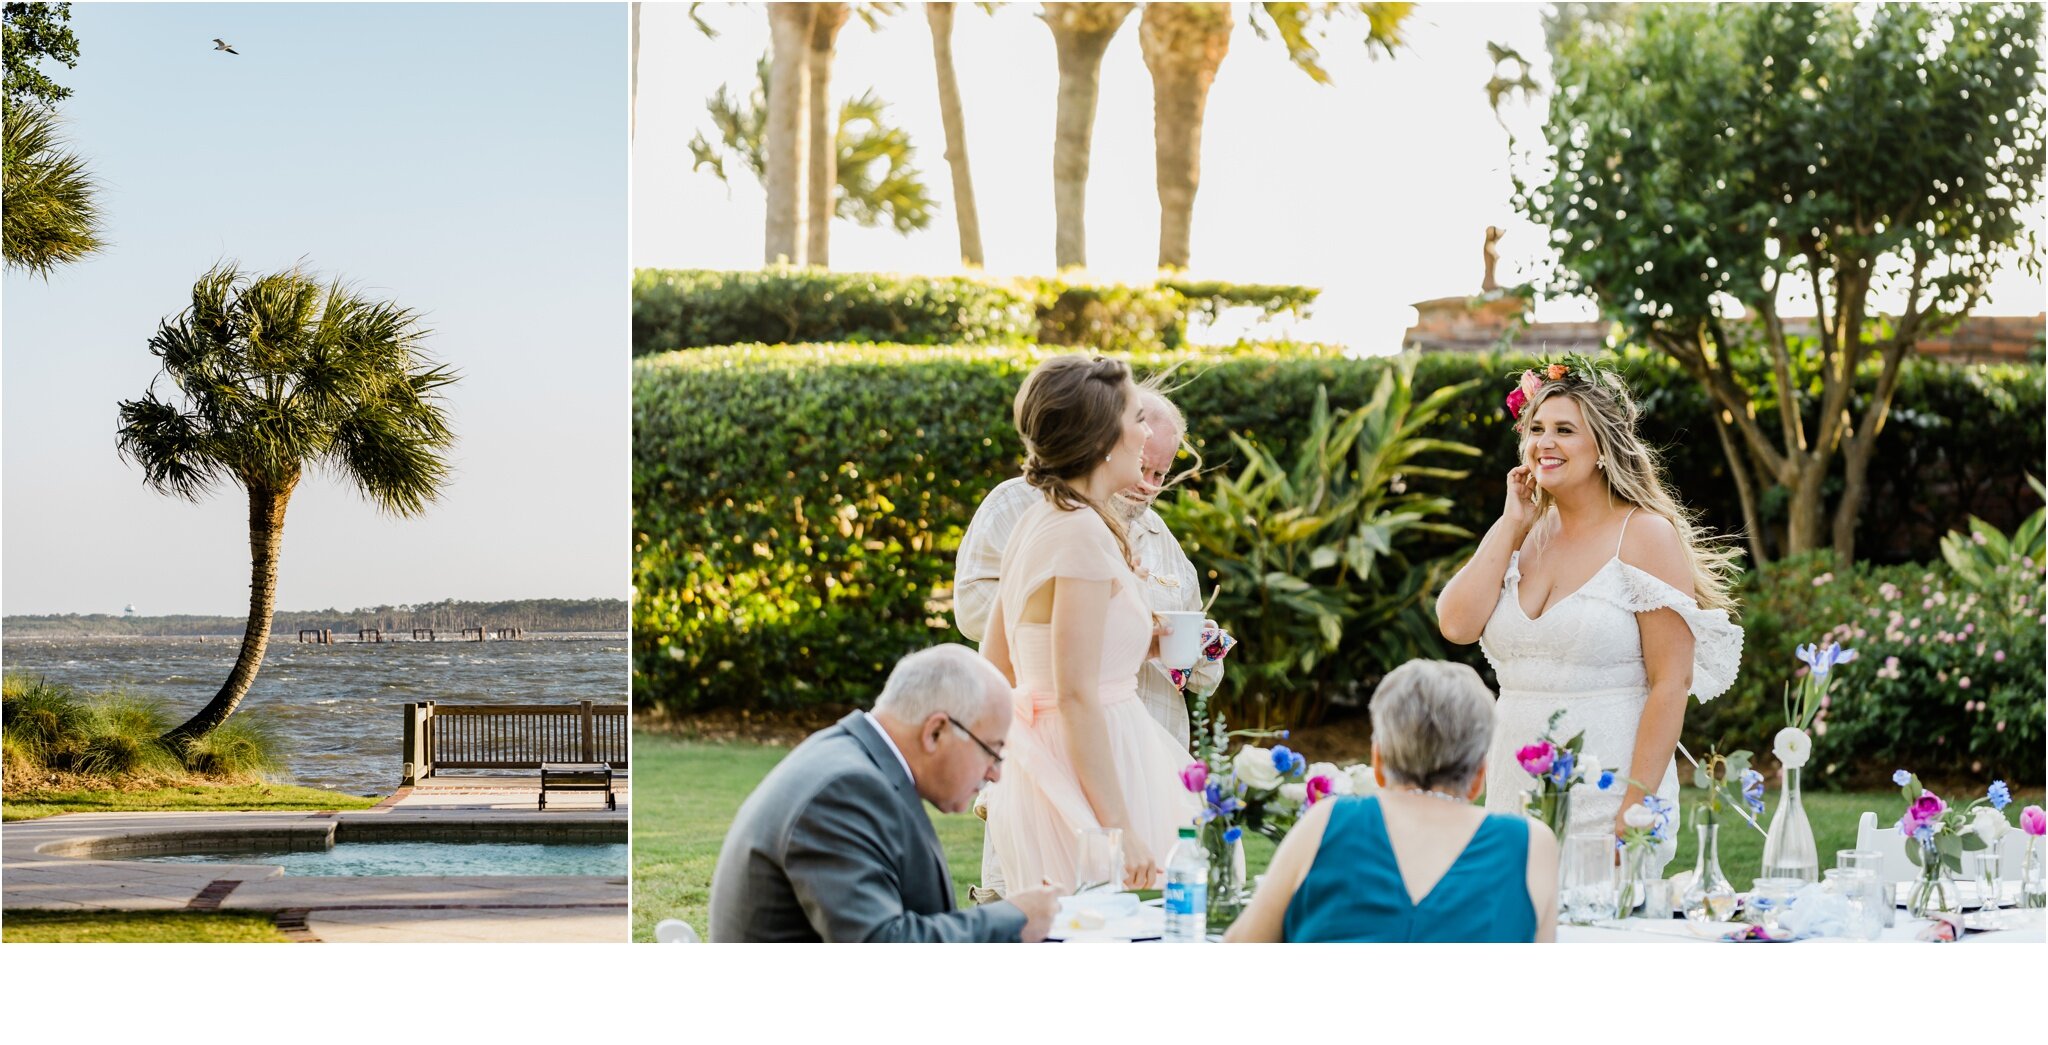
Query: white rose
(1362, 782)
(1990, 825)
(1792, 746)
(1638, 815)
(1590, 766)
(1294, 792)
(1254, 768)
(1340, 781)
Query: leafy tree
(1709, 164)
(33, 32)
(51, 218)
(273, 376)
(875, 179)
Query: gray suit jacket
(835, 846)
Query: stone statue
(1493, 234)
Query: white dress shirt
(893, 749)
(1171, 583)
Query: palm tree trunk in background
(786, 147)
(824, 133)
(266, 544)
(964, 214)
(1080, 33)
(1183, 44)
(633, 101)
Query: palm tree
(965, 216)
(633, 81)
(51, 217)
(822, 168)
(274, 375)
(788, 131)
(1184, 45)
(1080, 34)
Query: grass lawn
(137, 927)
(183, 798)
(686, 791)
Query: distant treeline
(447, 618)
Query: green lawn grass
(685, 793)
(19, 926)
(183, 798)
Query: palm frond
(46, 194)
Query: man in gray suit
(835, 844)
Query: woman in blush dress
(1593, 594)
(1071, 629)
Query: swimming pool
(349, 859)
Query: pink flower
(1998, 655)
(1516, 401)
(1537, 758)
(1195, 777)
(1928, 807)
(2033, 821)
(1319, 788)
(1963, 682)
(2001, 725)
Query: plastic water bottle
(1187, 890)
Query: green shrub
(121, 738)
(797, 509)
(239, 748)
(43, 721)
(696, 308)
(1311, 560)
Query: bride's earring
(1106, 457)
(1602, 463)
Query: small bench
(577, 776)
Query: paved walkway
(41, 867)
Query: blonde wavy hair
(1635, 475)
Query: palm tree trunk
(1081, 33)
(266, 544)
(786, 147)
(633, 88)
(824, 134)
(1183, 44)
(940, 16)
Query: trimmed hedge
(797, 508)
(699, 308)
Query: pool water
(427, 858)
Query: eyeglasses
(992, 753)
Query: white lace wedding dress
(1585, 655)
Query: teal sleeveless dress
(1353, 892)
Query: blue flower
(1753, 791)
(1902, 778)
(1231, 836)
(1923, 834)
(1283, 759)
(1999, 794)
(1561, 767)
(1283, 734)
(1606, 779)
(1657, 804)
(1823, 658)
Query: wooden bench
(577, 776)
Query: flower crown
(1572, 368)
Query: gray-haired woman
(1417, 862)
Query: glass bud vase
(1932, 894)
(2033, 884)
(1789, 851)
(1709, 897)
(1632, 895)
(1553, 807)
(1226, 883)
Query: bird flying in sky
(221, 45)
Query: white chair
(674, 930)
(1898, 867)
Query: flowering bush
(1949, 677)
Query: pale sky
(467, 161)
(1377, 188)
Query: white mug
(1181, 646)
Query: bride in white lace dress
(1594, 594)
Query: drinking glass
(1987, 878)
(1861, 889)
(1586, 891)
(1873, 861)
(1099, 862)
(1768, 898)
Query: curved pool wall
(435, 859)
(322, 834)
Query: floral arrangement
(1645, 826)
(1554, 767)
(1729, 785)
(1806, 699)
(1944, 833)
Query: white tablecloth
(2033, 928)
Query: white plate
(1148, 924)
